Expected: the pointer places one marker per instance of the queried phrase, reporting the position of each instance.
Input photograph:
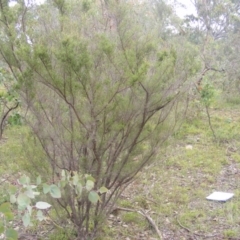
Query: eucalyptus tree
(216, 18)
(214, 27)
(102, 88)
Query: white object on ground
(189, 147)
(220, 196)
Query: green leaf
(9, 216)
(75, 179)
(89, 177)
(55, 191)
(24, 180)
(21, 208)
(26, 219)
(5, 207)
(13, 199)
(103, 190)
(62, 183)
(23, 200)
(89, 185)
(11, 234)
(39, 180)
(46, 188)
(29, 192)
(93, 197)
(40, 215)
(12, 189)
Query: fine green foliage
(207, 94)
(102, 95)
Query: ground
(172, 190)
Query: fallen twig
(150, 220)
(197, 234)
(144, 214)
(9, 177)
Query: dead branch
(150, 220)
(144, 214)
